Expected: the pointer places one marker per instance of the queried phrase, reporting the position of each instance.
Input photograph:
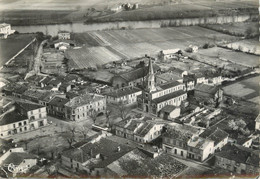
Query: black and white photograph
(130, 89)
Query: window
(175, 151)
(181, 153)
(24, 123)
(14, 125)
(21, 130)
(25, 128)
(20, 124)
(40, 110)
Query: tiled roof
(133, 124)
(169, 96)
(242, 140)
(239, 154)
(12, 117)
(168, 76)
(28, 106)
(170, 85)
(138, 73)
(206, 88)
(47, 96)
(123, 92)
(144, 129)
(168, 108)
(58, 101)
(84, 99)
(178, 134)
(46, 80)
(33, 94)
(108, 149)
(17, 157)
(199, 143)
(215, 134)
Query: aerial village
(164, 114)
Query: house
(14, 89)
(56, 106)
(154, 98)
(183, 141)
(189, 82)
(238, 159)
(5, 30)
(214, 78)
(46, 98)
(138, 130)
(170, 53)
(32, 95)
(93, 158)
(65, 87)
(214, 94)
(16, 161)
(132, 78)
(257, 123)
(45, 81)
(126, 95)
(170, 112)
(63, 35)
(83, 106)
(116, 8)
(35, 79)
(144, 165)
(217, 135)
(244, 141)
(24, 117)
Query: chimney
(118, 149)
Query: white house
(17, 161)
(5, 30)
(25, 117)
(170, 53)
(126, 95)
(138, 130)
(63, 35)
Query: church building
(154, 98)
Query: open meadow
(248, 89)
(11, 46)
(221, 56)
(101, 47)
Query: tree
(93, 115)
(107, 114)
(123, 110)
(70, 138)
(84, 131)
(249, 32)
(72, 129)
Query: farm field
(16, 43)
(226, 54)
(101, 47)
(248, 89)
(249, 45)
(90, 57)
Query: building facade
(127, 95)
(84, 106)
(25, 117)
(5, 30)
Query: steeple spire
(150, 78)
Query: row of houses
(139, 130)
(24, 117)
